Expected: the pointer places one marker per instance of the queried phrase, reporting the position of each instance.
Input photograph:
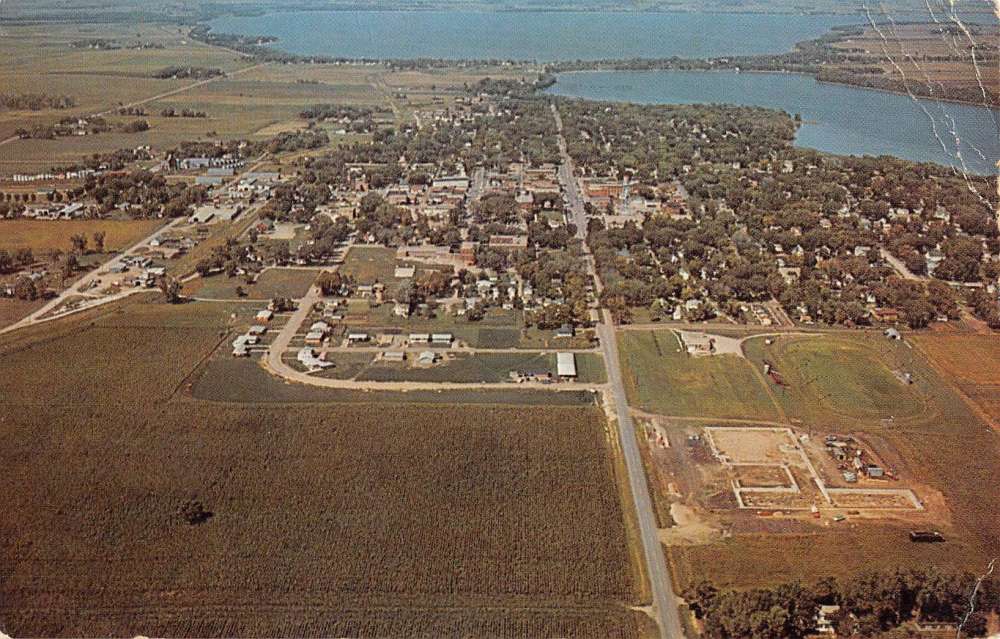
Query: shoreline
(861, 87)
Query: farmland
(661, 378)
(42, 236)
(505, 520)
(972, 363)
(250, 102)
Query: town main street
(665, 610)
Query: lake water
(837, 119)
(543, 36)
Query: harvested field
(970, 362)
(753, 560)
(491, 521)
(47, 235)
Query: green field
(488, 368)
(660, 378)
(274, 282)
(838, 380)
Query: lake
(521, 35)
(837, 119)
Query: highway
(664, 609)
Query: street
(664, 600)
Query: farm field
(493, 521)
(924, 431)
(45, 235)
(660, 378)
(253, 102)
(538, 548)
(768, 559)
(972, 363)
(12, 310)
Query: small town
(459, 321)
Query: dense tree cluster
(764, 218)
(35, 102)
(871, 604)
(143, 194)
(171, 112)
(184, 73)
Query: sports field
(180, 515)
(841, 380)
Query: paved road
(83, 286)
(898, 266)
(477, 186)
(664, 600)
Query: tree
(170, 288)
(99, 241)
(68, 266)
(331, 282)
(25, 289)
(79, 241)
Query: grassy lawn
(660, 378)
(48, 235)
(369, 264)
(275, 282)
(841, 380)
